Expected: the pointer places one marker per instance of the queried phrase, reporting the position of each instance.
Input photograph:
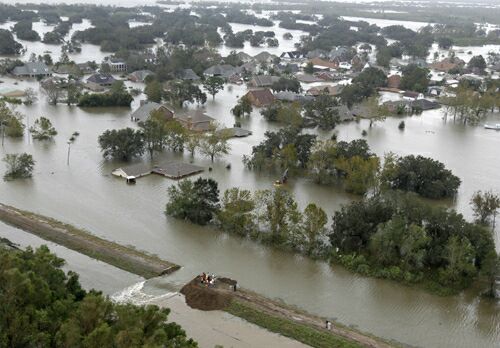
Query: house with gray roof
(338, 52)
(32, 69)
(244, 57)
(263, 81)
(195, 120)
(291, 97)
(264, 57)
(147, 107)
(101, 79)
(139, 75)
(224, 70)
(188, 75)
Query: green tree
(277, 211)
(485, 206)
(154, 134)
(309, 69)
(360, 173)
(425, 176)
(193, 142)
(213, 85)
(10, 122)
(43, 306)
(477, 62)
(459, 256)
(322, 111)
(415, 78)
(19, 166)
(244, 106)
(196, 201)
(154, 91)
(491, 269)
(445, 42)
(236, 214)
(215, 144)
(8, 45)
(314, 223)
(122, 143)
(185, 91)
(43, 129)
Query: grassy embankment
(126, 258)
(299, 332)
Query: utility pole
(69, 149)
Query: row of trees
(402, 238)
(156, 134)
(44, 306)
(389, 235)
(351, 164)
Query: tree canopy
(43, 306)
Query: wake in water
(134, 294)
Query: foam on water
(135, 294)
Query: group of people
(207, 279)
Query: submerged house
(101, 80)
(171, 170)
(32, 69)
(263, 81)
(195, 120)
(115, 64)
(188, 75)
(147, 107)
(224, 70)
(139, 75)
(260, 97)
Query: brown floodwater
(85, 194)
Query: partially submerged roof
(171, 170)
(144, 111)
(236, 132)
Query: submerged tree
(485, 206)
(122, 143)
(196, 201)
(213, 85)
(244, 106)
(215, 144)
(42, 129)
(19, 166)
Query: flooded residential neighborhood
(283, 146)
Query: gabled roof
(101, 79)
(264, 80)
(32, 68)
(263, 96)
(188, 74)
(292, 55)
(144, 111)
(140, 75)
(264, 56)
(198, 119)
(307, 78)
(292, 97)
(323, 63)
(224, 70)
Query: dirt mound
(206, 299)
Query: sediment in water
(126, 258)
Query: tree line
(41, 305)
(390, 235)
(351, 165)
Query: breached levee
(276, 316)
(126, 258)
